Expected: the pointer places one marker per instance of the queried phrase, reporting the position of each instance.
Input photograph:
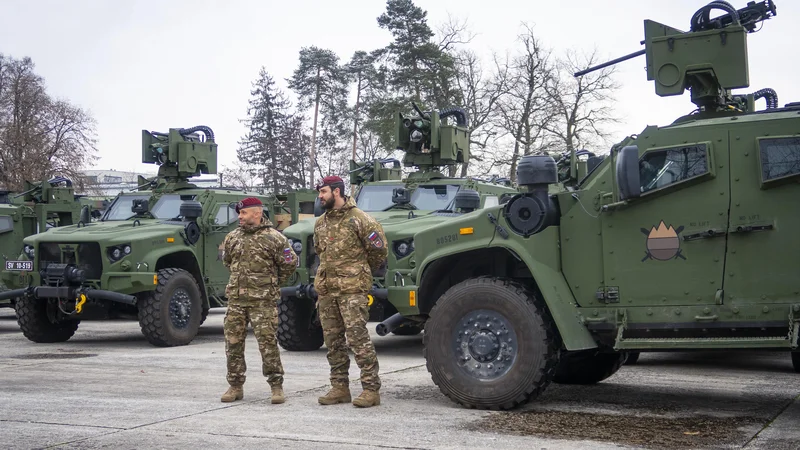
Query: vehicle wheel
(407, 331)
(38, 320)
(490, 343)
(170, 315)
(298, 330)
(203, 316)
(632, 358)
(587, 367)
(796, 361)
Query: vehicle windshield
(167, 207)
(434, 197)
(376, 197)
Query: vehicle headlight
(297, 246)
(403, 248)
(117, 252)
(29, 251)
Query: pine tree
(271, 143)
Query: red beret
(329, 180)
(247, 203)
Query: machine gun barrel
(610, 63)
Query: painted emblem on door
(663, 242)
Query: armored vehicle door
(667, 247)
(224, 219)
(762, 263)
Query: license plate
(19, 266)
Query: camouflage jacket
(351, 245)
(260, 260)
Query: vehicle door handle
(751, 228)
(707, 234)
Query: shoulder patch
(375, 239)
(287, 255)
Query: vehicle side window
(491, 200)
(661, 168)
(6, 224)
(226, 215)
(780, 157)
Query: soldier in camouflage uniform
(260, 260)
(351, 245)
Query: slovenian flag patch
(287, 254)
(375, 239)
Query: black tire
(528, 353)
(407, 331)
(37, 320)
(633, 357)
(587, 366)
(204, 316)
(298, 329)
(170, 315)
(796, 361)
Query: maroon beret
(247, 203)
(329, 180)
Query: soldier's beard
(328, 204)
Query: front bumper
(307, 291)
(69, 292)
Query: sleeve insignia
(287, 254)
(375, 239)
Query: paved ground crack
(61, 424)
(772, 419)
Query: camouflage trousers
(344, 324)
(264, 318)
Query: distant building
(109, 183)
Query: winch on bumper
(67, 281)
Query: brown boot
(277, 394)
(232, 394)
(367, 398)
(338, 394)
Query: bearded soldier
(351, 246)
(260, 260)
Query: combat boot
(367, 398)
(232, 394)
(338, 394)
(277, 395)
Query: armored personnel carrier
(682, 239)
(39, 207)
(429, 143)
(154, 254)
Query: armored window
(780, 157)
(6, 224)
(226, 215)
(490, 201)
(665, 167)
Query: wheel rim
(180, 308)
(484, 344)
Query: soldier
(260, 260)
(351, 246)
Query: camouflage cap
(248, 203)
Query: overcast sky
(178, 63)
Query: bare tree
(585, 103)
(40, 137)
(525, 108)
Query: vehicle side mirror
(627, 169)
(86, 215)
(318, 211)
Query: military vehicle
(429, 143)
(154, 255)
(39, 207)
(683, 238)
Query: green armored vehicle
(429, 143)
(155, 254)
(39, 207)
(683, 238)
